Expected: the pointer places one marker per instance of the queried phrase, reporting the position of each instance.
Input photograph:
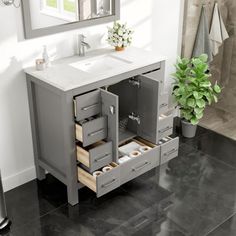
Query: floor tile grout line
(216, 227)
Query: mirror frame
(33, 33)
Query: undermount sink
(100, 64)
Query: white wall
(156, 25)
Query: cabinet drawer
(96, 155)
(169, 149)
(163, 103)
(139, 165)
(87, 105)
(165, 127)
(92, 131)
(103, 183)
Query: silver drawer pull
(171, 152)
(163, 105)
(89, 107)
(102, 157)
(108, 184)
(165, 129)
(96, 133)
(141, 167)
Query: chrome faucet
(81, 45)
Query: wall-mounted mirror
(43, 17)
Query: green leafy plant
(192, 89)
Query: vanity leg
(72, 195)
(40, 172)
(70, 149)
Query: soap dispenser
(46, 57)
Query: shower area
(219, 117)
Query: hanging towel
(218, 31)
(202, 42)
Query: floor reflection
(189, 196)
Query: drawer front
(100, 156)
(163, 104)
(101, 184)
(165, 127)
(94, 131)
(169, 150)
(139, 165)
(87, 105)
(108, 181)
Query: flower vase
(119, 49)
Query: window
(66, 10)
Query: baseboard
(19, 178)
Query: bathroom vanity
(85, 111)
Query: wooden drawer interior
(96, 183)
(83, 153)
(91, 131)
(142, 163)
(96, 155)
(139, 141)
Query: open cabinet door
(147, 108)
(110, 108)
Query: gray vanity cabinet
(79, 131)
(98, 102)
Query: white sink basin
(100, 64)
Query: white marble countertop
(64, 76)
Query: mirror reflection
(46, 13)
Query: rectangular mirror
(43, 17)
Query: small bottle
(46, 57)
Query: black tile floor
(192, 195)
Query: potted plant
(119, 36)
(193, 91)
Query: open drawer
(103, 183)
(140, 164)
(169, 149)
(87, 105)
(165, 127)
(91, 131)
(96, 155)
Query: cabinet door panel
(147, 109)
(110, 108)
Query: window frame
(59, 12)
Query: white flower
(119, 35)
(120, 32)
